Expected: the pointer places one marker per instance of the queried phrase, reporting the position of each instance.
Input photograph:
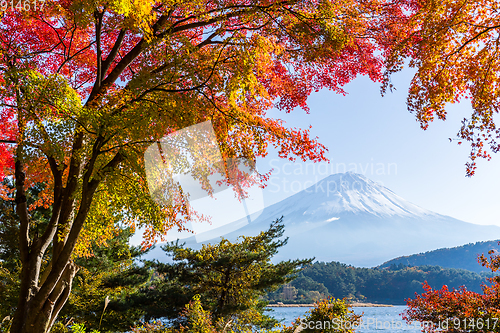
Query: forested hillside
(464, 257)
(390, 285)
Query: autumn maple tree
(454, 47)
(87, 86)
(461, 310)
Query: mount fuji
(347, 217)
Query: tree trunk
(29, 320)
(42, 298)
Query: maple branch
(61, 41)
(89, 166)
(20, 178)
(448, 56)
(275, 20)
(232, 7)
(68, 282)
(209, 39)
(200, 24)
(98, 26)
(158, 69)
(110, 166)
(67, 49)
(41, 244)
(71, 185)
(69, 58)
(217, 108)
(8, 141)
(125, 61)
(138, 48)
(127, 144)
(302, 18)
(157, 87)
(22, 209)
(447, 26)
(494, 57)
(191, 88)
(84, 126)
(473, 39)
(259, 27)
(216, 10)
(82, 84)
(112, 54)
(72, 37)
(51, 228)
(60, 263)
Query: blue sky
(378, 137)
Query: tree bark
(29, 321)
(43, 294)
(41, 299)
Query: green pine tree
(231, 279)
(103, 283)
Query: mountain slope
(351, 219)
(464, 257)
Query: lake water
(375, 319)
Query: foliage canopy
(453, 45)
(87, 86)
(460, 310)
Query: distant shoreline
(354, 305)
(370, 305)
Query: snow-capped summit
(339, 197)
(354, 193)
